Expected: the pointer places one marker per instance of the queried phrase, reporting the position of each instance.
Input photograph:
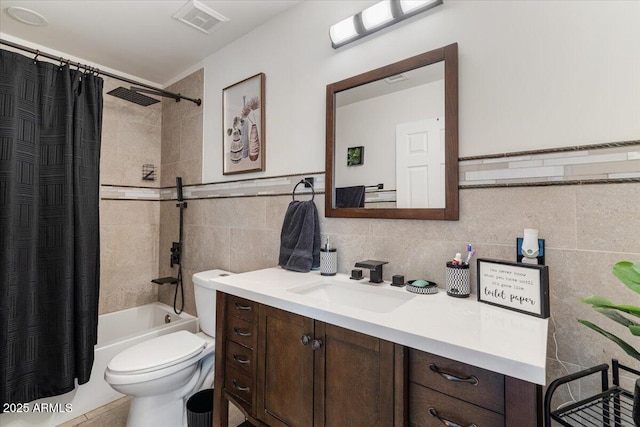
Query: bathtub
(116, 332)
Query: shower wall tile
(191, 86)
(182, 133)
(130, 138)
(107, 247)
(191, 171)
(171, 143)
(126, 287)
(136, 244)
(129, 234)
(138, 144)
(168, 174)
(191, 138)
(129, 230)
(122, 212)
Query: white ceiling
(137, 37)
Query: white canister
(328, 261)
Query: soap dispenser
(328, 260)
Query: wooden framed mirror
(392, 140)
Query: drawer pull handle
(316, 344)
(235, 385)
(306, 339)
(241, 332)
(242, 307)
(447, 422)
(241, 361)
(469, 380)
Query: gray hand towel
(300, 237)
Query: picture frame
(515, 286)
(355, 156)
(243, 126)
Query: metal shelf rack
(611, 408)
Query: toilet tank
(205, 296)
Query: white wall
(372, 124)
(532, 75)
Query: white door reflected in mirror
(420, 163)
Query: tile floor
(115, 414)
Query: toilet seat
(157, 357)
(157, 353)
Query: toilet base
(169, 409)
(163, 410)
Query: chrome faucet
(375, 269)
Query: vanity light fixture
(376, 17)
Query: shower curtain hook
(35, 58)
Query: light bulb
(409, 6)
(343, 30)
(377, 15)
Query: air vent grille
(397, 78)
(199, 16)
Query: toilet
(160, 374)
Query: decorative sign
(514, 286)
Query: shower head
(133, 96)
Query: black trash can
(200, 409)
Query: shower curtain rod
(95, 70)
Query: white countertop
(462, 329)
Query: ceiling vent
(199, 16)
(397, 78)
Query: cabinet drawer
(240, 358)
(241, 331)
(242, 308)
(426, 405)
(238, 384)
(479, 386)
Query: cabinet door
(285, 368)
(354, 379)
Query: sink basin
(363, 297)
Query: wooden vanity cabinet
(316, 374)
(236, 355)
(447, 392)
(286, 370)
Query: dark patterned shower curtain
(50, 127)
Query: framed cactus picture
(243, 125)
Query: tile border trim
(607, 163)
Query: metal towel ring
(303, 181)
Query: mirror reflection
(389, 142)
(392, 140)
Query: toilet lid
(157, 353)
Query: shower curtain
(50, 128)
